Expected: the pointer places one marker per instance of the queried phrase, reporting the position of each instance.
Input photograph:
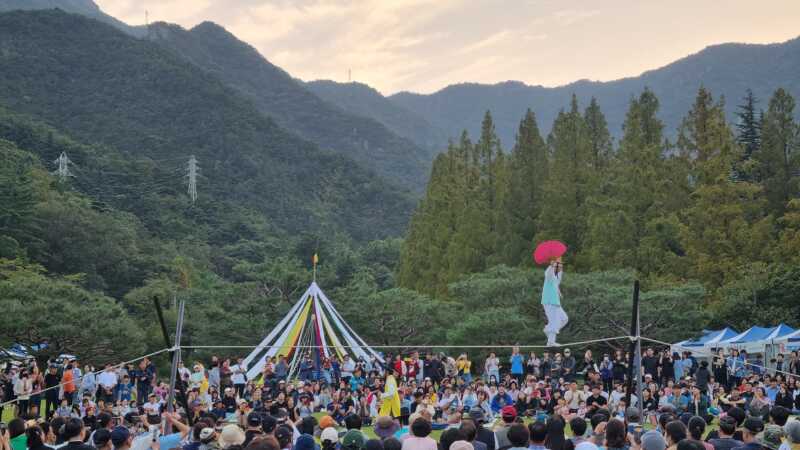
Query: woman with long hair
(555, 433)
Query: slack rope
(432, 346)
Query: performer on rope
(551, 251)
(390, 399)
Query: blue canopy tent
(708, 340)
(755, 339)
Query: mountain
(276, 94)
(363, 100)
(86, 8)
(104, 87)
(727, 70)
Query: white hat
(231, 435)
(329, 434)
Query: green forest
(708, 222)
(718, 207)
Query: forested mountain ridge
(86, 8)
(727, 70)
(361, 99)
(276, 94)
(103, 86)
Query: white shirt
(237, 376)
(107, 379)
(152, 408)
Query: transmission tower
(62, 163)
(192, 174)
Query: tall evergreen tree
(725, 228)
(749, 126)
(564, 207)
(598, 135)
(632, 201)
(779, 161)
(527, 176)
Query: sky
(424, 45)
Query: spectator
(419, 439)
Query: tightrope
(90, 373)
(433, 346)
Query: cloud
(423, 45)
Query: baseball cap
(792, 430)
(326, 421)
(329, 434)
(253, 420)
(653, 440)
(353, 440)
(119, 435)
(304, 442)
(268, 423)
(754, 425)
(206, 433)
(509, 411)
(771, 437)
(476, 414)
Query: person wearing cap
(751, 427)
(329, 438)
(254, 429)
(508, 414)
(792, 432)
(353, 440)
(121, 438)
(653, 440)
(771, 438)
(231, 435)
(725, 431)
(385, 427)
(482, 434)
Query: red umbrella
(548, 250)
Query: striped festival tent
(312, 327)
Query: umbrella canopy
(548, 250)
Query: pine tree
(749, 126)
(632, 199)
(705, 142)
(527, 176)
(598, 135)
(564, 207)
(778, 160)
(725, 228)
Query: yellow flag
(315, 259)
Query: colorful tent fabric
(707, 340)
(311, 327)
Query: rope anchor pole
(176, 357)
